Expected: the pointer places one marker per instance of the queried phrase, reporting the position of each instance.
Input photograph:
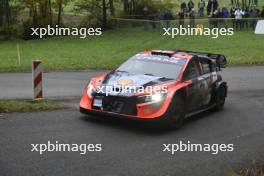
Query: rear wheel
(220, 98)
(175, 115)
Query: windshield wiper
(148, 74)
(165, 78)
(122, 71)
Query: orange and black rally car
(167, 86)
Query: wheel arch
(216, 88)
(182, 92)
(221, 83)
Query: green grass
(255, 169)
(114, 47)
(27, 105)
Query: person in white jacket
(238, 16)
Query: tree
(104, 14)
(40, 11)
(112, 8)
(125, 6)
(59, 3)
(96, 9)
(5, 13)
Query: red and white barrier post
(37, 70)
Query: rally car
(167, 86)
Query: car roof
(169, 53)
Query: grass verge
(7, 106)
(253, 170)
(116, 46)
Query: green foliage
(93, 10)
(154, 6)
(8, 16)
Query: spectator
(213, 22)
(254, 13)
(209, 7)
(215, 5)
(181, 18)
(225, 15)
(190, 6)
(201, 5)
(225, 12)
(245, 17)
(238, 16)
(262, 13)
(220, 16)
(192, 18)
(184, 7)
(212, 7)
(232, 15)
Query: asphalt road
(130, 148)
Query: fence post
(37, 70)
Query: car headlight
(157, 97)
(90, 90)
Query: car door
(206, 80)
(190, 76)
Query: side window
(206, 66)
(214, 68)
(191, 72)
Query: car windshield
(160, 66)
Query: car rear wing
(219, 59)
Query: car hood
(131, 81)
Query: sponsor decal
(125, 82)
(160, 58)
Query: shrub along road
(130, 148)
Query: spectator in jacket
(225, 12)
(245, 17)
(192, 18)
(232, 15)
(213, 21)
(209, 7)
(215, 5)
(254, 13)
(238, 16)
(212, 6)
(190, 6)
(220, 15)
(225, 15)
(181, 18)
(184, 7)
(201, 6)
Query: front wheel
(220, 98)
(175, 114)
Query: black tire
(175, 114)
(220, 98)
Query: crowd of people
(239, 17)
